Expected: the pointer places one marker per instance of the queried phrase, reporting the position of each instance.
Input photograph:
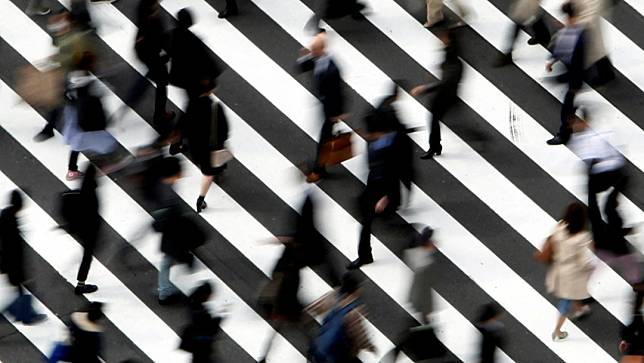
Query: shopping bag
(337, 150)
(220, 157)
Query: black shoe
(359, 263)
(172, 299)
(227, 13)
(43, 135)
(201, 204)
(533, 41)
(85, 289)
(503, 60)
(358, 16)
(35, 319)
(176, 149)
(430, 153)
(557, 140)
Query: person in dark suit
(12, 261)
(328, 85)
(231, 9)
(446, 90)
(569, 48)
(86, 333)
(382, 192)
(198, 337)
(151, 48)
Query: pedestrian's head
(15, 200)
(201, 294)
(170, 169)
(490, 311)
(570, 10)
(184, 18)
(350, 284)
(318, 45)
(575, 218)
(95, 311)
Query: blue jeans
(165, 286)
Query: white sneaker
(559, 337)
(39, 11)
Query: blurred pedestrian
(35, 7)
(446, 90)
(87, 227)
(180, 234)
(632, 335)
(382, 192)
(525, 13)
(491, 329)
(597, 64)
(435, 15)
(151, 47)
(606, 170)
(230, 10)
(569, 47)
(335, 9)
(572, 263)
(198, 337)
(328, 84)
(420, 258)
(71, 43)
(12, 261)
(342, 335)
(86, 332)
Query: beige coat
(590, 15)
(572, 264)
(524, 11)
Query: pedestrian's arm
(305, 62)
(424, 88)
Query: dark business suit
(446, 92)
(328, 85)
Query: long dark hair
(575, 218)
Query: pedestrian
(180, 235)
(597, 64)
(525, 13)
(87, 227)
(632, 335)
(151, 47)
(230, 10)
(342, 335)
(435, 15)
(12, 261)
(198, 337)
(491, 329)
(335, 9)
(382, 192)
(71, 43)
(569, 47)
(86, 334)
(420, 258)
(328, 85)
(605, 166)
(446, 90)
(572, 263)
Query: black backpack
(91, 115)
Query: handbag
(337, 150)
(220, 157)
(41, 89)
(546, 254)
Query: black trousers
(88, 239)
(567, 111)
(598, 183)
(158, 73)
(539, 28)
(441, 104)
(231, 5)
(326, 133)
(72, 165)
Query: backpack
(332, 343)
(91, 114)
(70, 207)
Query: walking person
(572, 263)
(446, 90)
(597, 64)
(12, 261)
(491, 329)
(199, 336)
(342, 335)
(86, 334)
(435, 15)
(420, 258)
(606, 170)
(230, 10)
(525, 13)
(328, 84)
(569, 48)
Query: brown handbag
(336, 150)
(546, 254)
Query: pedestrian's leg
(73, 161)
(165, 287)
(567, 111)
(206, 182)
(325, 135)
(438, 111)
(615, 221)
(89, 242)
(368, 216)
(434, 12)
(541, 31)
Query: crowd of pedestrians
(176, 56)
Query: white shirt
(596, 151)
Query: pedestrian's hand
(623, 346)
(549, 67)
(382, 204)
(304, 51)
(416, 91)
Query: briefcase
(220, 157)
(336, 150)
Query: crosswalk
(493, 196)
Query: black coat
(199, 335)
(12, 247)
(203, 132)
(151, 37)
(328, 84)
(86, 339)
(192, 62)
(383, 179)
